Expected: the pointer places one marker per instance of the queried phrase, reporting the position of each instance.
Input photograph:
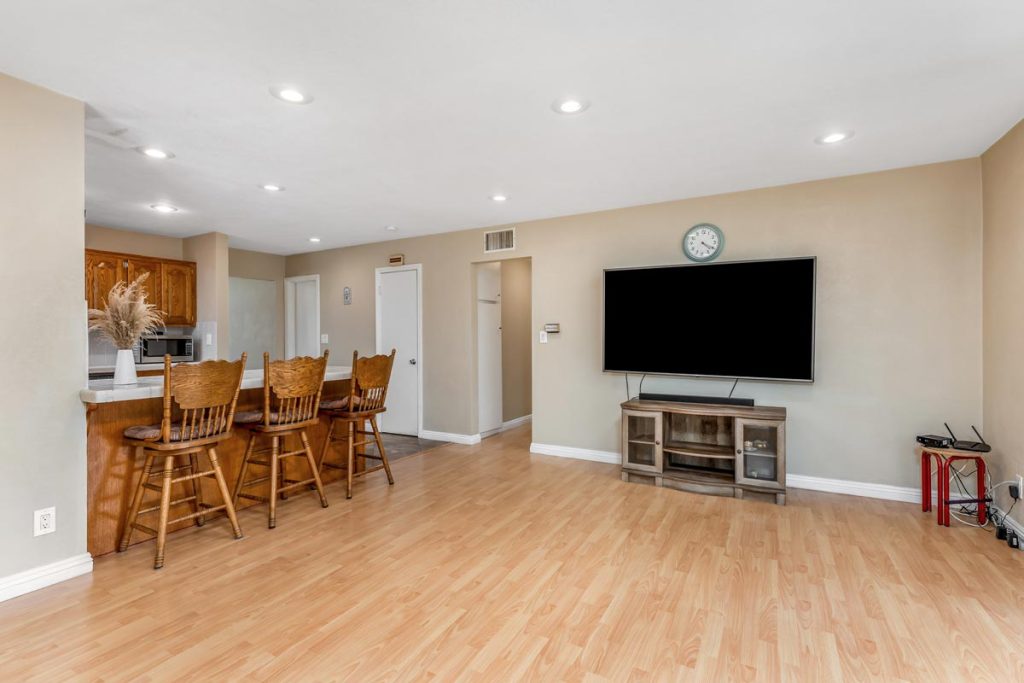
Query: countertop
(104, 391)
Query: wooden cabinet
(178, 300)
(135, 267)
(641, 440)
(102, 272)
(761, 453)
(171, 286)
(724, 450)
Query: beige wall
(516, 338)
(259, 266)
(210, 252)
(129, 242)
(897, 252)
(42, 324)
(1003, 175)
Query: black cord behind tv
(745, 319)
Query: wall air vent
(500, 240)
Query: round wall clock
(703, 242)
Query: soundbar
(675, 398)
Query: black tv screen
(750, 319)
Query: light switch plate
(209, 339)
(323, 339)
(543, 337)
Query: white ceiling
(424, 108)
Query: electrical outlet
(1020, 485)
(45, 521)
(323, 339)
(543, 337)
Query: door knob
(412, 361)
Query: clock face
(703, 242)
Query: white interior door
(302, 316)
(488, 319)
(399, 327)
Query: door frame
(289, 317)
(377, 273)
(477, 300)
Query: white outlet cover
(323, 339)
(543, 337)
(44, 521)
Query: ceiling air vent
(500, 240)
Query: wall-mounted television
(745, 319)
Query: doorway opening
(504, 344)
(302, 316)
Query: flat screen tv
(747, 319)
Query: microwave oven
(153, 347)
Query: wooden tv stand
(717, 449)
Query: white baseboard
(40, 577)
(1009, 521)
(466, 439)
(515, 422)
(610, 457)
(905, 494)
(470, 439)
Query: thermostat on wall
(551, 328)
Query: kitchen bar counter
(113, 465)
(104, 391)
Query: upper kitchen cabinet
(179, 292)
(102, 272)
(135, 267)
(171, 285)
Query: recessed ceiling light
(499, 197)
(272, 188)
(834, 138)
(155, 153)
(314, 239)
(392, 228)
(290, 94)
(163, 208)
(569, 105)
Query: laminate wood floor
(486, 563)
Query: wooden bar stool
(206, 395)
(367, 393)
(296, 385)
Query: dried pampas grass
(128, 315)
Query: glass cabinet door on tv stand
(641, 440)
(761, 453)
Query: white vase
(124, 371)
